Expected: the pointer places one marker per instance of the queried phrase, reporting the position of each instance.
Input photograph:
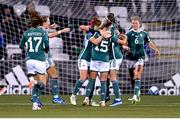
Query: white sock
(35, 104)
(86, 98)
(135, 96)
(117, 99)
(102, 101)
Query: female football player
(116, 58)
(52, 72)
(37, 42)
(100, 59)
(136, 38)
(85, 56)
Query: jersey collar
(136, 30)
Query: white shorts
(35, 66)
(99, 66)
(49, 62)
(134, 63)
(115, 64)
(83, 64)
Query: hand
(126, 48)
(65, 30)
(121, 36)
(105, 34)
(53, 26)
(157, 52)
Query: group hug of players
(101, 56)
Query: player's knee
(83, 77)
(139, 77)
(42, 78)
(115, 81)
(113, 76)
(93, 76)
(103, 78)
(53, 74)
(135, 75)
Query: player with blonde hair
(136, 38)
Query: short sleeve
(46, 40)
(128, 35)
(23, 41)
(147, 38)
(114, 38)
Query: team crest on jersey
(141, 35)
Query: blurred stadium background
(161, 18)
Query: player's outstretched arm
(22, 43)
(84, 28)
(54, 34)
(53, 26)
(154, 47)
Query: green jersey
(48, 56)
(87, 46)
(115, 52)
(37, 41)
(100, 52)
(136, 41)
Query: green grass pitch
(150, 106)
